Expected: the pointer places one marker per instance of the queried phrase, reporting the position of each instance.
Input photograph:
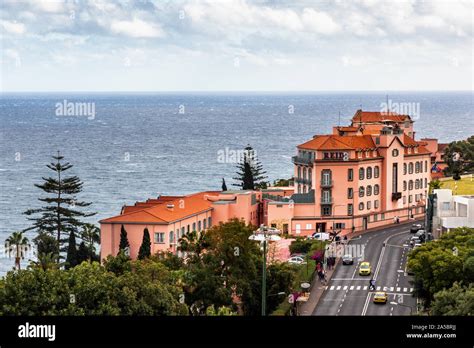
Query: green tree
(457, 300)
(221, 311)
(46, 244)
(124, 244)
(71, 257)
(16, 244)
(145, 248)
(459, 156)
(91, 236)
(468, 269)
(60, 214)
(194, 243)
(435, 185)
(83, 254)
(224, 186)
(282, 182)
(250, 172)
(46, 261)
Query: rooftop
(378, 117)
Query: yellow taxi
(380, 297)
(365, 269)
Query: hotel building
(359, 177)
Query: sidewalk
(317, 289)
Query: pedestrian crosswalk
(349, 287)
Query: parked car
(298, 260)
(415, 228)
(347, 259)
(419, 233)
(320, 236)
(416, 245)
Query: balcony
(302, 160)
(303, 181)
(326, 200)
(326, 183)
(396, 196)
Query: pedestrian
(394, 219)
(372, 284)
(398, 220)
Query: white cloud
(136, 28)
(13, 27)
(319, 22)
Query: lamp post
(263, 235)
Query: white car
(296, 260)
(320, 236)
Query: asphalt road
(347, 293)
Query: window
(304, 188)
(382, 216)
(404, 185)
(404, 169)
(417, 184)
(299, 188)
(369, 191)
(304, 173)
(310, 176)
(361, 206)
(376, 172)
(369, 205)
(299, 172)
(376, 204)
(410, 168)
(361, 191)
(426, 166)
(404, 199)
(410, 198)
(308, 226)
(182, 231)
(377, 140)
(298, 228)
(361, 174)
(194, 226)
(350, 209)
(340, 225)
(326, 211)
(209, 222)
(395, 177)
(204, 224)
(369, 173)
(326, 198)
(410, 185)
(199, 225)
(187, 229)
(395, 152)
(159, 237)
(426, 183)
(171, 237)
(376, 189)
(417, 167)
(326, 177)
(350, 193)
(350, 174)
(375, 217)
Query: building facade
(359, 177)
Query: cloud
(13, 27)
(136, 28)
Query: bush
(301, 246)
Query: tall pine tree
(72, 259)
(124, 244)
(59, 217)
(145, 248)
(250, 174)
(224, 186)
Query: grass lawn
(465, 186)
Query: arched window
(410, 168)
(361, 174)
(394, 152)
(299, 172)
(426, 166)
(361, 206)
(369, 191)
(376, 171)
(404, 168)
(417, 184)
(410, 185)
(404, 185)
(361, 191)
(369, 205)
(304, 173)
(426, 183)
(376, 190)
(369, 173)
(310, 174)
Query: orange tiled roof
(339, 142)
(347, 129)
(377, 116)
(160, 213)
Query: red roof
(377, 116)
(160, 213)
(339, 142)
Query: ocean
(134, 146)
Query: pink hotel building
(359, 177)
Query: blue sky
(143, 45)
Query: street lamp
(263, 235)
(402, 305)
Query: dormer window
(416, 149)
(394, 152)
(359, 154)
(409, 150)
(367, 154)
(374, 153)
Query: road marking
(398, 289)
(405, 289)
(332, 287)
(391, 289)
(365, 287)
(378, 288)
(345, 288)
(338, 288)
(352, 287)
(411, 289)
(358, 287)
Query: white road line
(338, 288)
(358, 287)
(398, 289)
(391, 289)
(345, 287)
(365, 287)
(405, 289)
(332, 287)
(411, 289)
(352, 287)
(378, 288)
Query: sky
(236, 45)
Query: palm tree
(16, 244)
(46, 261)
(193, 243)
(90, 235)
(434, 185)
